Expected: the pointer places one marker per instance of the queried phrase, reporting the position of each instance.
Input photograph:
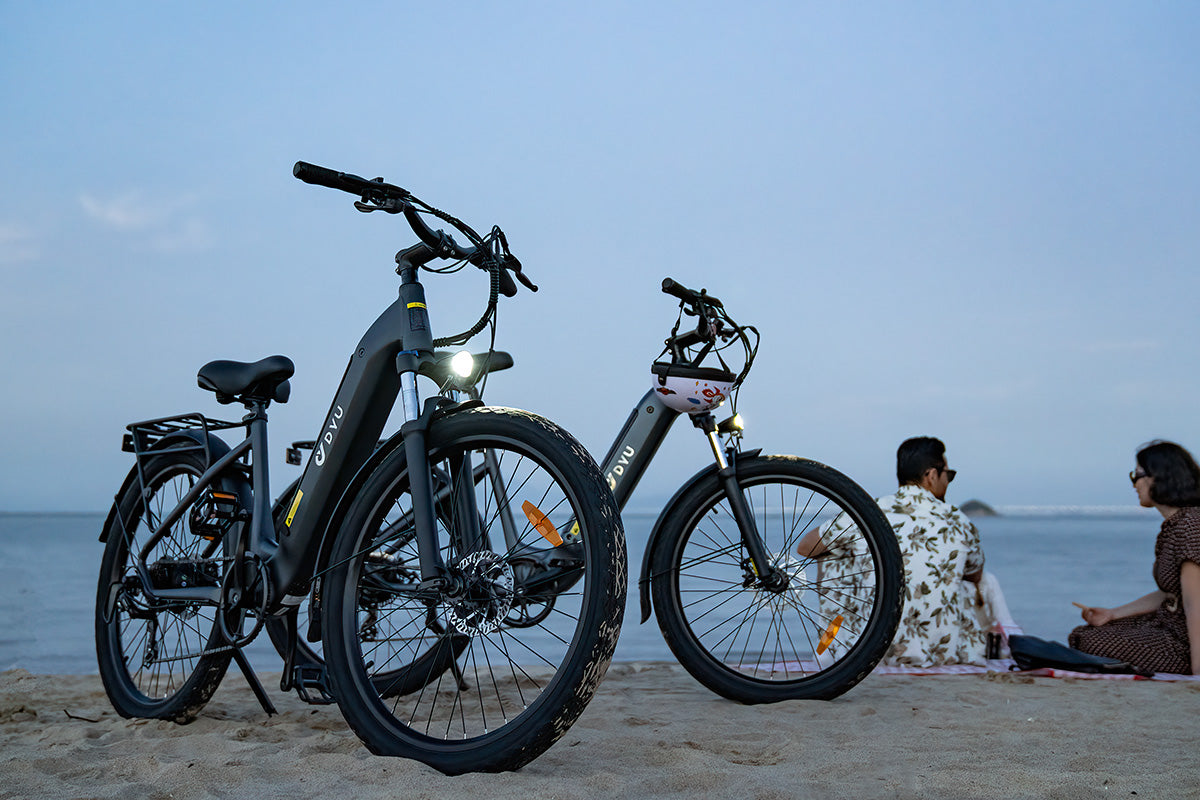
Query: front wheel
(486, 670)
(811, 628)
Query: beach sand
(650, 732)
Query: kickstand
(255, 684)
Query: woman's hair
(918, 455)
(1176, 476)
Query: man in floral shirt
(945, 618)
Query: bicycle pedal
(312, 685)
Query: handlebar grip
(323, 176)
(688, 295)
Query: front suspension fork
(760, 559)
(464, 515)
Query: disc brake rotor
(488, 597)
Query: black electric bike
(743, 612)
(462, 626)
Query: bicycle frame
(636, 445)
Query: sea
(1044, 558)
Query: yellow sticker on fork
(830, 632)
(292, 510)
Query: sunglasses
(1134, 477)
(950, 473)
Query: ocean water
(1043, 559)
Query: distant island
(978, 508)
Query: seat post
(262, 531)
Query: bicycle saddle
(266, 379)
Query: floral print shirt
(940, 545)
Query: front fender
(669, 511)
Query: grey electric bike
(464, 622)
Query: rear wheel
(813, 627)
(159, 658)
(535, 555)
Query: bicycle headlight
(732, 424)
(463, 364)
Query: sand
(651, 732)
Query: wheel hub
(487, 595)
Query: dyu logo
(618, 469)
(327, 437)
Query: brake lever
(390, 205)
(513, 264)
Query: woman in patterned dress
(1161, 631)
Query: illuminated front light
(732, 425)
(463, 364)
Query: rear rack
(143, 436)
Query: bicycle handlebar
(713, 327)
(395, 199)
(390, 198)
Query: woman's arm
(1189, 578)
(1093, 615)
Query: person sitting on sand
(1161, 631)
(950, 603)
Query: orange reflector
(830, 632)
(543, 525)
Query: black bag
(1031, 652)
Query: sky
(973, 221)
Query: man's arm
(973, 567)
(810, 544)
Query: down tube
(351, 432)
(636, 445)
